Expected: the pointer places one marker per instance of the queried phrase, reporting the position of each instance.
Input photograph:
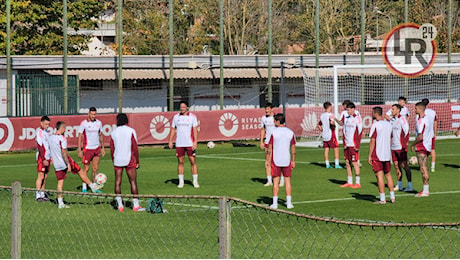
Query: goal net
(371, 85)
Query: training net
(371, 85)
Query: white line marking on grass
(241, 159)
(343, 199)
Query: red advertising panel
(154, 128)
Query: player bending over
(63, 163)
(282, 162)
(327, 126)
(380, 154)
(125, 155)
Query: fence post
(225, 229)
(16, 220)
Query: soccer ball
(101, 178)
(211, 144)
(413, 160)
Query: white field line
(399, 195)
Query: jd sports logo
(409, 50)
(6, 134)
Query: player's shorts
(351, 154)
(378, 166)
(331, 143)
(131, 165)
(181, 151)
(266, 145)
(41, 167)
(433, 143)
(399, 155)
(423, 151)
(89, 154)
(74, 168)
(277, 171)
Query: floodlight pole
(120, 56)
(64, 57)
(221, 53)
(9, 91)
(270, 42)
(171, 53)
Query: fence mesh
(93, 228)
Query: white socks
(136, 203)
(181, 178)
(83, 186)
(288, 200)
(195, 177)
(358, 180)
(426, 189)
(275, 201)
(350, 179)
(327, 162)
(61, 201)
(337, 162)
(119, 202)
(382, 196)
(269, 179)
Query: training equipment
(155, 205)
(101, 178)
(413, 160)
(211, 144)
(375, 85)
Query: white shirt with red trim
(381, 132)
(282, 138)
(57, 143)
(424, 128)
(41, 138)
(404, 112)
(123, 146)
(268, 123)
(400, 130)
(90, 131)
(352, 128)
(184, 125)
(325, 122)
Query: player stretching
(90, 136)
(351, 143)
(399, 142)
(63, 163)
(422, 146)
(327, 126)
(267, 125)
(185, 125)
(342, 117)
(282, 162)
(431, 115)
(43, 158)
(380, 154)
(404, 111)
(125, 155)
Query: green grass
(235, 172)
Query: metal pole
(9, 90)
(270, 42)
(64, 58)
(171, 58)
(449, 50)
(336, 98)
(225, 229)
(120, 56)
(363, 43)
(406, 20)
(406, 11)
(221, 54)
(16, 203)
(283, 89)
(317, 17)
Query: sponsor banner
(154, 128)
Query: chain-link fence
(204, 227)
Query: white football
(413, 160)
(101, 178)
(211, 144)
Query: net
(371, 85)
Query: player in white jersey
(63, 163)
(399, 142)
(267, 125)
(43, 158)
(125, 155)
(344, 114)
(90, 137)
(402, 101)
(351, 143)
(422, 146)
(380, 154)
(327, 126)
(281, 147)
(431, 114)
(185, 129)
